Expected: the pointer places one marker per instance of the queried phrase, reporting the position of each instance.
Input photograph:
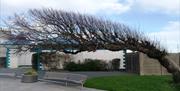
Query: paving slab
(14, 84)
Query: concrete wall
(143, 65)
(150, 66)
(102, 55)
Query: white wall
(25, 59)
(13, 61)
(102, 55)
(20, 59)
(2, 51)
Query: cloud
(165, 6)
(169, 36)
(9, 7)
(82, 6)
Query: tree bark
(171, 67)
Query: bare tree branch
(72, 33)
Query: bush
(94, 65)
(71, 66)
(87, 65)
(35, 61)
(115, 64)
(31, 72)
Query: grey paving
(10, 83)
(91, 74)
(13, 84)
(18, 71)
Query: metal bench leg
(82, 86)
(15, 75)
(66, 83)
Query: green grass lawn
(133, 83)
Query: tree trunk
(171, 67)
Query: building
(2, 56)
(10, 59)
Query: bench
(13, 74)
(8, 74)
(66, 77)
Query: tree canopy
(73, 32)
(60, 30)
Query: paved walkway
(19, 71)
(87, 73)
(13, 84)
(91, 74)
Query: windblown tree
(73, 33)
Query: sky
(158, 19)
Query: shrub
(34, 61)
(94, 65)
(30, 72)
(71, 66)
(87, 65)
(115, 64)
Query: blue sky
(159, 19)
